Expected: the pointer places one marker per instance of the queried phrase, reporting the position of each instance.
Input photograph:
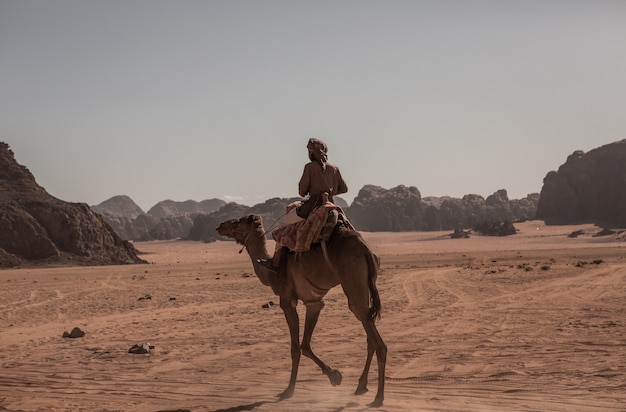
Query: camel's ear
(251, 219)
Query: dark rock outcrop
(203, 228)
(488, 228)
(35, 226)
(75, 333)
(460, 234)
(170, 227)
(588, 187)
(380, 210)
(402, 209)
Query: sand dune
(534, 321)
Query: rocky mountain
(37, 227)
(271, 211)
(168, 208)
(376, 209)
(398, 209)
(402, 209)
(121, 212)
(588, 187)
(167, 219)
(119, 206)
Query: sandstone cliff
(119, 206)
(168, 208)
(588, 187)
(37, 227)
(167, 219)
(402, 209)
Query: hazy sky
(201, 99)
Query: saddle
(317, 228)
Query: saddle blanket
(299, 236)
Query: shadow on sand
(248, 407)
(254, 405)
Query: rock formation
(490, 228)
(169, 208)
(36, 227)
(402, 209)
(204, 225)
(119, 206)
(398, 209)
(203, 228)
(589, 187)
(167, 219)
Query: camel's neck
(257, 249)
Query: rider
(319, 176)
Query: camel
(308, 277)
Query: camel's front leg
(289, 309)
(312, 315)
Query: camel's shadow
(247, 407)
(254, 405)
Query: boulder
(488, 228)
(75, 333)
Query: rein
(245, 241)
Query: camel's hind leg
(360, 289)
(362, 388)
(374, 344)
(312, 315)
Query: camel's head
(241, 229)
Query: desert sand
(531, 322)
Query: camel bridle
(234, 234)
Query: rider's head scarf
(318, 151)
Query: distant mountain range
(374, 209)
(587, 188)
(36, 227)
(167, 219)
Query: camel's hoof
(361, 390)
(377, 403)
(286, 394)
(335, 377)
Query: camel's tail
(373, 263)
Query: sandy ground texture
(530, 322)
